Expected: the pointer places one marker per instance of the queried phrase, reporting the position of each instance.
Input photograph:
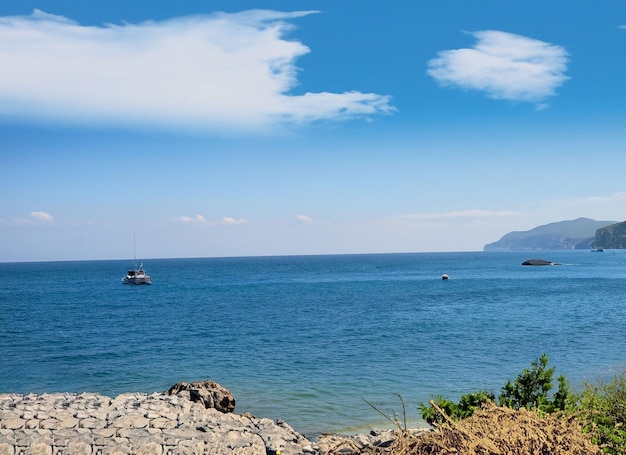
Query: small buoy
(444, 276)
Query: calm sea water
(307, 339)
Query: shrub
(602, 411)
(431, 416)
(469, 403)
(531, 389)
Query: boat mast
(134, 254)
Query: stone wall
(136, 423)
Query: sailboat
(137, 275)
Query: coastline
(302, 339)
(163, 424)
(156, 423)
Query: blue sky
(240, 128)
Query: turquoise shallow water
(307, 339)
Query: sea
(336, 343)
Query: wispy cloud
(472, 213)
(304, 219)
(231, 220)
(504, 66)
(200, 219)
(605, 208)
(42, 216)
(222, 71)
(35, 218)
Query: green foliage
(531, 389)
(600, 407)
(431, 416)
(562, 396)
(456, 411)
(470, 402)
(602, 410)
(612, 236)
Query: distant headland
(581, 233)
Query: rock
(13, 423)
(539, 262)
(379, 442)
(141, 424)
(209, 393)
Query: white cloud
(35, 217)
(42, 216)
(611, 207)
(223, 71)
(504, 66)
(198, 219)
(471, 213)
(304, 218)
(231, 220)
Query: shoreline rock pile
(188, 419)
(198, 418)
(136, 423)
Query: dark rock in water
(209, 393)
(539, 262)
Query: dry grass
(492, 430)
(497, 430)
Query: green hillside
(611, 237)
(563, 235)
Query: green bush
(601, 408)
(529, 390)
(456, 411)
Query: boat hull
(136, 280)
(137, 276)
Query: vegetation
(531, 389)
(599, 410)
(612, 236)
(497, 430)
(562, 235)
(526, 419)
(468, 404)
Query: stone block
(149, 448)
(49, 424)
(79, 448)
(13, 423)
(32, 424)
(103, 432)
(115, 449)
(38, 448)
(188, 447)
(162, 423)
(92, 423)
(130, 421)
(67, 422)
